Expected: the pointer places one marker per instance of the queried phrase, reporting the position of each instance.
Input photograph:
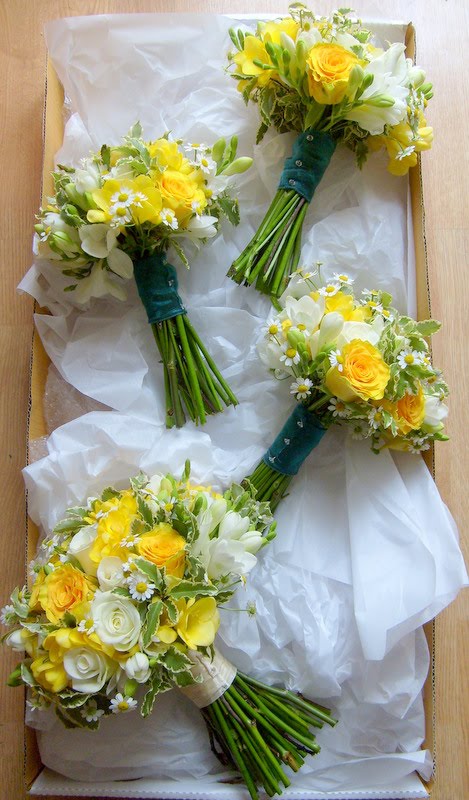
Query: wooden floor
(442, 48)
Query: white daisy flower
(168, 218)
(301, 388)
(360, 432)
(338, 408)
(377, 307)
(330, 290)
(125, 198)
(419, 448)
(120, 704)
(91, 712)
(375, 417)
(63, 558)
(37, 703)
(410, 358)
(206, 163)
(344, 280)
(120, 215)
(140, 587)
(31, 569)
(86, 625)
(202, 148)
(129, 540)
(7, 614)
(290, 356)
(336, 360)
(195, 206)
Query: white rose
(110, 573)
(117, 621)
(80, 547)
(88, 669)
(137, 667)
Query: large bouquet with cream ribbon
(117, 215)
(350, 361)
(324, 79)
(124, 605)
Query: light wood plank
(442, 45)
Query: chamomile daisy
(410, 358)
(140, 587)
(301, 388)
(120, 704)
(168, 218)
(338, 408)
(336, 359)
(290, 356)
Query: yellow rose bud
(164, 547)
(64, 589)
(363, 373)
(329, 67)
(167, 154)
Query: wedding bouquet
(355, 362)
(117, 215)
(324, 79)
(124, 605)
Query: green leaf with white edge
(136, 131)
(73, 699)
(151, 571)
(69, 620)
(180, 252)
(139, 481)
(186, 589)
(230, 208)
(171, 611)
(185, 678)
(69, 526)
(78, 511)
(20, 606)
(156, 685)
(152, 620)
(427, 327)
(72, 719)
(106, 155)
(26, 675)
(121, 591)
(108, 493)
(176, 661)
(145, 511)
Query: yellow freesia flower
(58, 642)
(111, 529)
(51, 676)
(198, 621)
(253, 50)
(123, 202)
(271, 31)
(402, 144)
(343, 304)
(167, 154)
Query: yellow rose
(114, 200)
(329, 67)
(63, 590)
(179, 192)
(271, 31)
(51, 676)
(34, 603)
(363, 373)
(408, 412)
(343, 304)
(198, 621)
(164, 547)
(58, 642)
(167, 154)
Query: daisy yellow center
(330, 289)
(340, 359)
(123, 705)
(409, 359)
(301, 327)
(343, 278)
(141, 587)
(291, 352)
(302, 387)
(204, 162)
(340, 406)
(273, 330)
(123, 197)
(121, 212)
(168, 506)
(286, 324)
(378, 416)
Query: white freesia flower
(15, 641)
(310, 38)
(98, 239)
(117, 621)
(88, 669)
(137, 667)
(217, 184)
(69, 243)
(98, 284)
(304, 311)
(120, 263)
(329, 329)
(435, 412)
(269, 353)
(229, 558)
(110, 573)
(367, 332)
(80, 547)
(391, 81)
(88, 178)
(203, 227)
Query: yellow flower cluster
(173, 184)
(403, 144)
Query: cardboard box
(42, 781)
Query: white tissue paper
(366, 551)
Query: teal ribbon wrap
(304, 169)
(300, 434)
(157, 286)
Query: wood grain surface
(442, 45)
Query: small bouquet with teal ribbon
(322, 78)
(117, 215)
(124, 604)
(351, 361)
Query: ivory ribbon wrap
(217, 676)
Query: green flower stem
(260, 767)
(289, 261)
(194, 383)
(224, 390)
(312, 708)
(270, 484)
(174, 411)
(234, 750)
(266, 247)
